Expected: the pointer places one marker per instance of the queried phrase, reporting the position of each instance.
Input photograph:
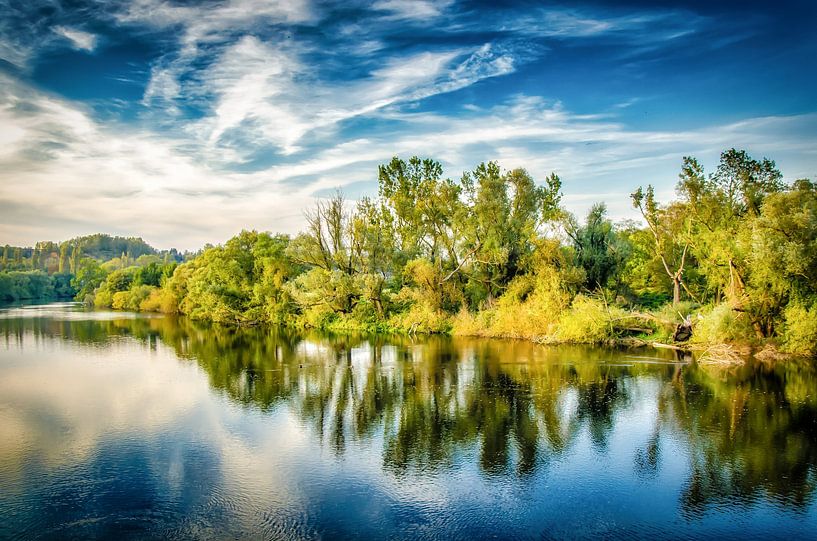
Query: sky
(184, 122)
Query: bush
(800, 329)
(529, 308)
(103, 297)
(131, 299)
(720, 325)
(421, 318)
(589, 321)
(467, 323)
(160, 300)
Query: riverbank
(717, 334)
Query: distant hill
(105, 247)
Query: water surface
(126, 426)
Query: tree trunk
(676, 290)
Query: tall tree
(76, 256)
(65, 248)
(670, 236)
(597, 248)
(722, 208)
(505, 212)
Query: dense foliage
(493, 253)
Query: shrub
(119, 300)
(589, 320)
(422, 318)
(467, 323)
(722, 324)
(103, 297)
(800, 329)
(529, 308)
(131, 299)
(160, 300)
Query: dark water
(123, 426)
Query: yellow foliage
(721, 325)
(588, 321)
(132, 299)
(160, 300)
(800, 334)
(119, 300)
(529, 308)
(103, 298)
(421, 317)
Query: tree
(504, 214)
(76, 257)
(722, 209)
(782, 247)
(372, 244)
(351, 255)
(64, 254)
(670, 236)
(88, 277)
(410, 189)
(239, 283)
(597, 248)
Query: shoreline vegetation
(731, 264)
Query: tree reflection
(749, 432)
(747, 438)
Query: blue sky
(184, 122)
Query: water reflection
(730, 437)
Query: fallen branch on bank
(721, 354)
(671, 346)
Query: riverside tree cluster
(493, 253)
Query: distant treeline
(48, 270)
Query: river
(130, 426)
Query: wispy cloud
(418, 10)
(248, 109)
(175, 197)
(216, 21)
(264, 95)
(79, 39)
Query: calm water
(124, 426)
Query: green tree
(723, 208)
(598, 250)
(241, 282)
(64, 255)
(670, 233)
(88, 277)
(409, 188)
(505, 212)
(782, 257)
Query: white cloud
(253, 81)
(419, 10)
(216, 21)
(162, 87)
(265, 95)
(63, 174)
(79, 40)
